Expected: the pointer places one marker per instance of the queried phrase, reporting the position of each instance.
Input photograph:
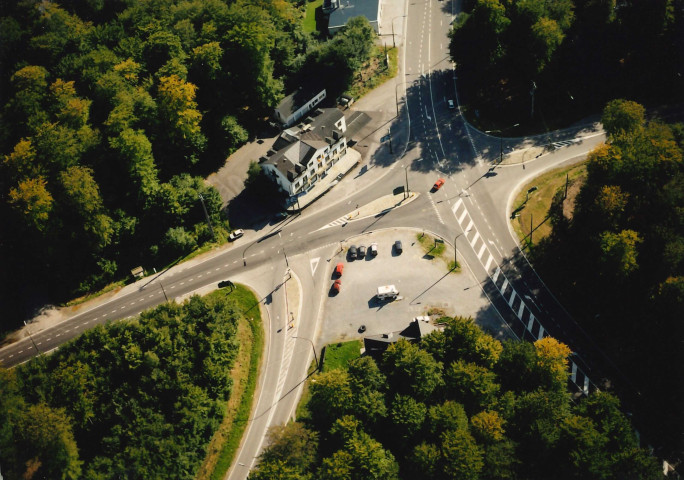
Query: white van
(387, 291)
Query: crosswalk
(340, 221)
(565, 143)
(526, 319)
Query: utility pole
(456, 252)
(567, 178)
(534, 87)
(407, 185)
(312, 348)
(163, 291)
(204, 207)
(34, 346)
(531, 230)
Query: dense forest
(618, 263)
(134, 399)
(457, 405)
(566, 58)
(110, 111)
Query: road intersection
(471, 212)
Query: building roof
(417, 329)
(297, 145)
(354, 8)
(298, 99)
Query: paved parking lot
(423, 284)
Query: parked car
(451, 104)
(352, 252)
(374, 249)
(235, 234)
(398, 247)
(338, 269)
(337, 286)
(438, 184)
(362, 251)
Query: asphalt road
(430, 141)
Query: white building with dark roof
(303, 154)
(342, 10)
(297, 104)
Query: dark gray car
(352, 252)
(398, 247)
(362, 251)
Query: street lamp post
(407, 185)
(312, 348)
(394, 45)
(32, 341)
(204, 207)
(500, 132)
(284, 252)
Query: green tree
(292, 444)
(331, 397)
(461, 456)
(179, 242)
(488, 427)
(234, 134)
(407, 416)
(45, 444)
(622, 116)
(33, 200)
(619, 252)
(424, 461)
(465, 340)
(361, 458)
(552, 363)
(583, 448)
(470, 384)
(136, 150)
(411, 370)
(449, 415)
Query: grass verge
(309, 25)
(375, 73)
(111, 287)
(338, 355)
(532, 210)
(226, 440)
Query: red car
(438, 184)
(337, 286)
(338, 269)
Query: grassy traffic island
(165, 395)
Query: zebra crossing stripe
(467, 229)
(489, 262)
(474, 240)
(520, 310)
(479, 255)
(456, 205)
(586, 385)
(505, 284)
(496, 274)
(512, 299)
(463, 215)
(541, 332)
(530, 323)
(573, 373)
